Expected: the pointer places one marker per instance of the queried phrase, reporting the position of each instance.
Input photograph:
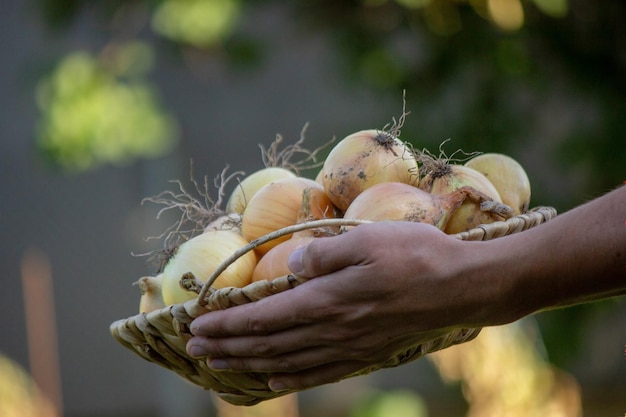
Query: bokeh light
(99, 110)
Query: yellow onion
(508, 177)
(246, 189)
(363, 159)
(283, 203)
(200, 256)
(274, 263)
(151, 298)
(402, 202)
(441, 177)
(230, 221)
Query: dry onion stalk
(201, 212)
(289, 162)
(285, 158)
(198, 210)
(434, 166)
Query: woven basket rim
(160, 336)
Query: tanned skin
(382, 287)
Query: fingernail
(196, 351)
(196, 330)
(277, 386)
(218, 364)
(294, 262)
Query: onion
(200, 256)
(283, 203)
(363, 159)
(249, 186)
(441, 177)
(274, 263)
(508, 177)
(151, 298)
(402, 202)
(230, 221)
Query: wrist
(497, 289)
(577, 257)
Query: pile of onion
(370, 175)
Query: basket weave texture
(161, 336)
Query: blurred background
(105, 103)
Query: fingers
(250, 346)
(326, 255)
(223, 339)
(314, 377)
(298, 370)
(305, 304)
(290, 363)
(267, 315)
(277, 312)
(280, 311)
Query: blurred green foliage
(98, 110)
(199, 23)
(391, 403)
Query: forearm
(577, 257)
(380, 288)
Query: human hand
(373, 292)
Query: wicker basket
(161, 336)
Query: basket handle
(201, 299)
(482, 232)
(515, 224)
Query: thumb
(324, 255)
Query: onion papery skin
(231, 221)
(274, 263)
(469, 215)
(280, 204)
(364, 159)
(251, 184)
(508, 177)
(201, 255)
(151, 298)
(402, 202)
